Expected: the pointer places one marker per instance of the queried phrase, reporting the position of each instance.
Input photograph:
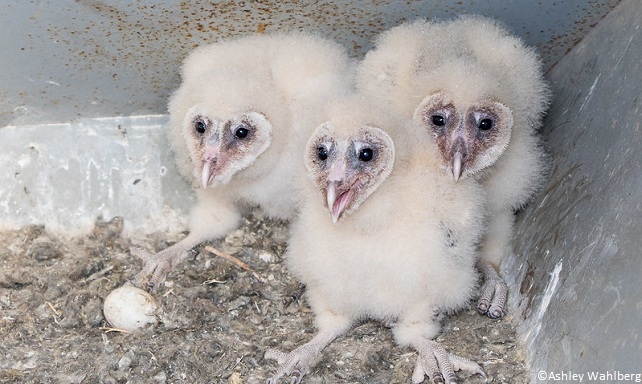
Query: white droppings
(543, 202)
(531, 332)
(267, 257)
(590, 93)
(550, 290)
(623, 53)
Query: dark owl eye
(241, 132)
(199, 126)
(438, 120)
(485, 124)
(322, 153)
(365, 154)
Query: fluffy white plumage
(238, 124)
(480, 94)
(401, 250)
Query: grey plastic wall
(578, 263)
(65, 59)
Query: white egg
(130, 308)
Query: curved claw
(440, 366)
(298, 362)
(294, 364)
(143, 279)
(297, 376)
(492, 301)
(156, 266)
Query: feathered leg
(211, 218)
(495, 244)
(157, 266)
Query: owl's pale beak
(211, 164)
(457, 165)
(338, 199)
(458, 154)
(207, 176)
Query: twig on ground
(235, 261)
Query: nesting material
(206, 331)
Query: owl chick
(238, 126)
(383, 234)
(479, 93)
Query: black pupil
(199, 125)
(365, 154)
(438, 120)
(241, 132)
(485, 124)
(322, 153)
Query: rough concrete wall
(578, 247)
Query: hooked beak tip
(457, 166)
(207, 176)
(331, 197)
(335, 208)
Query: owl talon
(492, 301)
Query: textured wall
(67, 175)
(579, 246)
(64, 59)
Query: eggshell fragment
(130, 308)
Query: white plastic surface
(67, 175)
